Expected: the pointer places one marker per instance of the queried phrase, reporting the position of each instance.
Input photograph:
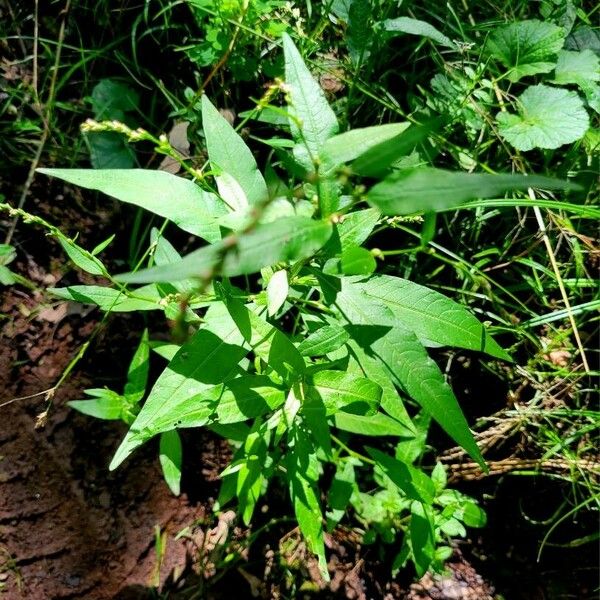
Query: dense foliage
(327, 219)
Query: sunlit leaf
(170, 460)
(548, 118)
(229, 153)
(314, 121)
(169, 196)
(429, 190)
(284, 240)
(417, 27)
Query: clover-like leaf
(548, 118)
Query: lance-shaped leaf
(314, 121)
(391, 402)
(344, 391)
(434, 317)
(377, 425)
(422, 536)
(377, 159)
(170, 460)
(417, 27)
(277, 291)
(207, 359)
(349, 145)
(302, 474)
(137, 374)
(406, 362)
(106, 404)
(228, 152)
(325, 339)
(266, 341)
(429, 190)
(179, 200)
(288, 239)
(248, 397)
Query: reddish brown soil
(70, 528)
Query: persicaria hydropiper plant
(294, 348)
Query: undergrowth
(511, 88)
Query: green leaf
(248, 397)
(352, 230)
(391, 402)
(267, 342)
(107, 405)
(345, 391)
(7, 254)
(112, 99)
(416, 27)
(472, 515)
(341, 490)
(288, 239)
(207, 359)
(377, 425)
(579, 68)
(170, 460)
(137, 374)
(422, 537)
(179, 200)
(165, 254)
(109, 150)
(357, 261)
(526, 47)
(439, 477)
(548, 118)
(7, 277)
(252, 472)
(377, 159)
(359, 31)
(324, 340)
(85, 260)
(414, 483)
(408, 364)
(302, 467)
(349, 145)
(164, 349)
(228, 152)
(102, 245)
(432, 316)
(314, 418)
(107, 299)
(429, 190)
(277, 291)
(308, 104)
(584, 37)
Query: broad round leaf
(548, 118)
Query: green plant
(234, 32)
(288, 343)
(8, 277)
